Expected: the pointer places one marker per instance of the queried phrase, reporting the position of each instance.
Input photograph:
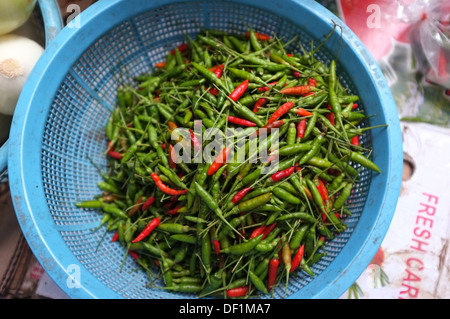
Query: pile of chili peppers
(227, 228)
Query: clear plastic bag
(430, 41)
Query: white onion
(14, 13)
(18, 55)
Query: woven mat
(19, 270)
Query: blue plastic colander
(58, 129)
(52, 22)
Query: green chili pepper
(298, 236)
(294, 149)
(343, 196)
(267, 246)
(174, 228)
(297, 215)
(251, 204)
(248, 114)
(185, 238)
(343, 166)
(325, 231)
(286, 196)
(211, 203)
(209, 75)
(108, 187)
(243, 248)
(233, 224)
(206, 252)
(90, 204)
(364, 161)
(317, 143)
(242, 74)
(258, 283)
(114, 210)
(262, 267)
(215, 281)
(172, 176)
(311, 123)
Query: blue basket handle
(53, 24)
(3, 162)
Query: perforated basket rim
(26, 185)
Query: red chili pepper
(172, 125)
(272, 274)
(112, 153)
(239, 195)
(195, 141)
(312, 82)
(216, 246)
(323, 190)
(148, 229)
(355, 140)
(296, 74)
(324, 194)
(149, 202)
(164, 188)
(297, 258)
(330, 117)
(219, 161)
(257, 231)
(354, 106)
(268, 229)
(214, 91)
(282, 174)
(259, 103)
(266, 88)
(296, 90)
(160, 65)
(237, 292)
(239, 121)
(182, 47)
(301, 127)
(239, 91)
(259, 36)
(133, 254)
(283, 109)
(172, 157)
(115, 237)
(271, 157)
(174, 211)
(217, 70)
(303, 112)
(269, 126)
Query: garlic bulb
(18, 55)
